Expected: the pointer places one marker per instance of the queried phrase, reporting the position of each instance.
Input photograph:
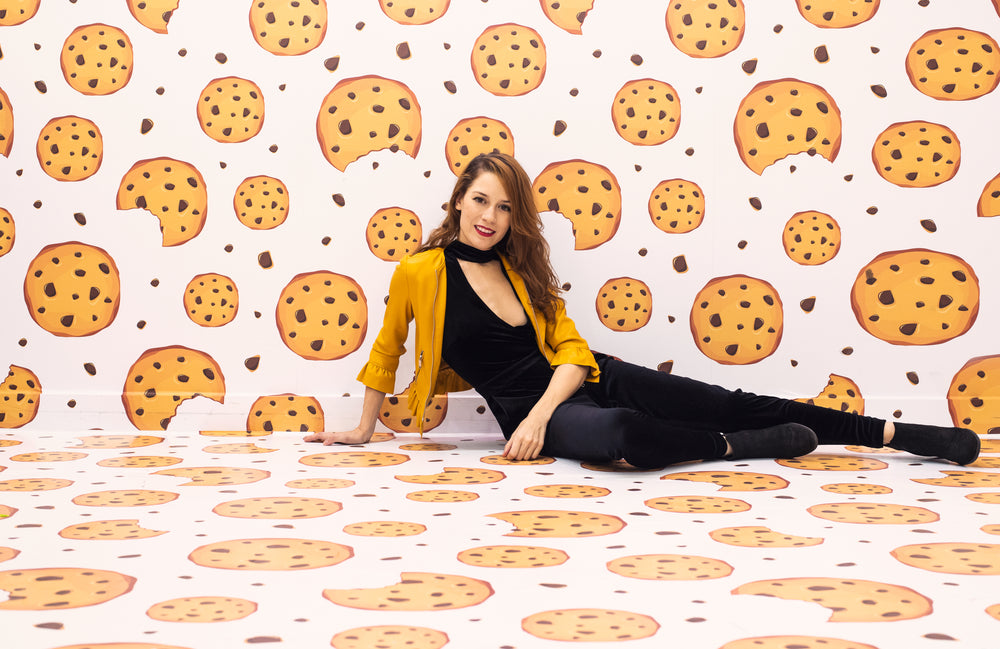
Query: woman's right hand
(359, 435)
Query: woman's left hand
(527, 440)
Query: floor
(204, 540)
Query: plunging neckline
(465, 278)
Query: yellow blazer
(418, 291)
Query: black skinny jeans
(652, 419)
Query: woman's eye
(505, 208)
(479, 199)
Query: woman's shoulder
(423, 260)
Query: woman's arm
(527, 440)
(365, 429)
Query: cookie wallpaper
(201, 204)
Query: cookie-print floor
(207, 540)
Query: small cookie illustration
(72, 289)
(547, 523)
(737, 320)
(48, 456)
(474, 135)
(831, 462)
(857, 489)
(118, 441)
(277, 508)
(758, 536)
(850, 600)
(456, 476)
(732, 480)
(698, 505)
(952, 558)
(509, 60)
(393, 233)
(427, 446)
(587, 194)
(319, 483)
(954, 64)
(784, 117)
(677, 206)
(837, 14)
(567, 491)
(670, 567)
(357, 459)
(704, 29)
(70, 148)
(365, 114)
(113, 530)
(140, 461)
(916, 297)
(917, 154)
(840, 393)
(215, 476)
(16, 12)
(988, 205)
(286, 412)
(646, 112)
(590, 625)
(873, 513)
(624, 304)
(414, 12)
(171, 190)
(288, 27)
(415, 591)
(797, 641)
(974, 395)
(163, 378)
(512, 556)
(322, 315)
(97, 59)
(49, 589)
(811, 238)
(567, 14)
(500, 460)
(202, 609)
(6, 124)
(231, 109)
(153, 14)
(261, 202)
(7, 232)
(442, 496)
(248, 448)
(20, 395)
(270, 554)
(385, 529)
(390, 635)
(34, 484)
(211, 300)
(965, 479)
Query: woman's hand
(357, 436)
(527, 440)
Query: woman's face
(485, 212)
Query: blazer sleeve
(379, 372)
(568, 345)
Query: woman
(488, 315)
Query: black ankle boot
(960, 445)
(781, 441)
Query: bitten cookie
(153, 14)
(393, 233)
(732, 480)
(202, 609)
(231, 109)
(286, 412)
(456, 476)
(171, 190)
(811, 238)
(567, 14)
(355, 459)
(796, 641)
(7, 232)
(390, 635)
(415, 591)
(72, 289)
(20, 394)
(784, 117)
(513, 556)
(704, 29)
(988, 205)
(590, 625)
(288, 27)
(211, 300)
(964, 479)
(840, 393)
(16, 12)
(850, 600)
(624, 304)
(97, 59)
(6, 124)
(756, 536)
(916, 297)
(974, 395)
(414, 12)
(917, 154)
(677, 206)
(955, 64)
(261, 202)
(270, 554)
(163, 378)
(322, 315)
(509, 60)
(952, 558)
(737, 320)
(837, 14)
(587, 194)
(670, 567)
(115, 530)
(215, 476)
(547, 523)
(277, 508)
(831, 462)
(475, 135)
(365, 114)
(646, 112)
(70, 148)
(49, 589)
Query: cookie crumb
(559, 128)
(929, 225)
(80, 218)
(642, 252)
(742, 244)
(912, 378)
(403, 50)
(874, 50)
(597, 54)
(41, 87)
(325, 241)
(636, 59)
(680, 264)
(808, 304)
(332, 63)
(182, 52)
(872, 210)
(147, 126)
(339, 200)
(450, 87)
(778, 28)
(821, 54)
(264, 259)
(666, 367)
(847, 351)
(221, 58)
(749, 66)
(879, 90)
(90, 369)
(252, 363)
(755, 203)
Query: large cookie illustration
(917, 154)
(590, 625)
(70, 148)
(974, 395)
(646, 112)
(322, 315)
(954, 64)
(17, 12)
(587, 194)
(737, 320)
(390, 635)
(163, 378)
(916, 297)
(365, 114)
(837, 14)
(560, 524)
(97, 59)
(415, 591)
(270, 554)
(288, 28)
(706, 29)
(952, 558)
(624, 304)
(231, 109)
(286, 412)
(840, 393)
(171, 190)
(20, 394)
(784, 117)
(509, 60)
(850, 600)
(48, 589)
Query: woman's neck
(465, 252)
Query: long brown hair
(523, 245)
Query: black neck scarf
(465, 252)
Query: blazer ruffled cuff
(577, 356)
(378, 378)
